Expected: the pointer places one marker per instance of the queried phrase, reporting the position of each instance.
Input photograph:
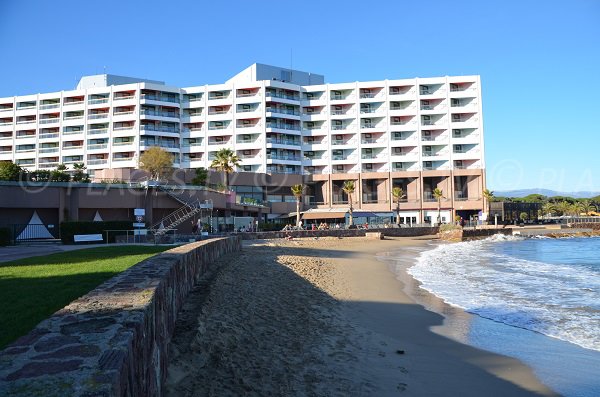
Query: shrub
(4, 236)
(69, 229)
(446, 227)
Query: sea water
(537, 299)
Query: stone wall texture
(471, 234)
(112, 341)
(392, 232)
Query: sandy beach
(325, 318)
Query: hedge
(5, 238)
(69, 229)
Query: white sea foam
(558, 300)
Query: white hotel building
(418, 134)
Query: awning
(323, 215)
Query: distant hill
(545, 192)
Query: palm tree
(297, 192)
(587, 206)
(488, 196)
(438, 195)
(349, 188)
(548, 209)
(398, 195)
(225, 161)
(563, 207)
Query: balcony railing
(48, 150)
(98, 131)
(213, 112)
(291, 142)
(122, 98)
(161, 98)
(273, 94)
(49, 106)
(284, 111)
(97, 101)
(73, 147)
(295, 127)
(218, 142)
(148, 112)
(48, 165)
(97, 161)
(26, 121)
(97, 146)
(76, 117)
(73, 103)
(49, 121)
(150, 127)
(123, 143)
(289, 157)
(20, 136)
(97, 116)
(123, 158)
(366, 95)
(48, 136)
(125, 113)
(373, 141)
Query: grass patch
(32, 289)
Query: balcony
(97, 161)
(49, 106)
(72, 147)
(287, 157)
(340, 142)
(123, 158)
(160, 98)
(73, 103)
(97, 101)
(98, 131)
(282, 126)
(29, 121)
(281, 141)
(96, 116)
(370, 141)
(48, 164)
(48, 150)
(48, 136)
(281, 95)
(50, 121)
(151, 127)
(149, 112)
(97, 146)
(122, 98)
(283, 111)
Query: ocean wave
(558, 300)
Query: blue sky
(539, 60)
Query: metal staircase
(190, 208)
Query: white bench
(86, 238)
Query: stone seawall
(472, 234)
(392, 232)
(112, 341)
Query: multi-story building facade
(418, 134)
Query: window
(310, 95)
(457, 133)
(368, 136)
(455, 102)
(458, 149)
(394, 90)
(455, 117)
(246, 122)
(424, 89)
(247, 168)
(368, 166)
(246, 152)
(398, 150)
(427, 133)
(286, 75)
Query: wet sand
(325, 318)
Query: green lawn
(32, 289)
